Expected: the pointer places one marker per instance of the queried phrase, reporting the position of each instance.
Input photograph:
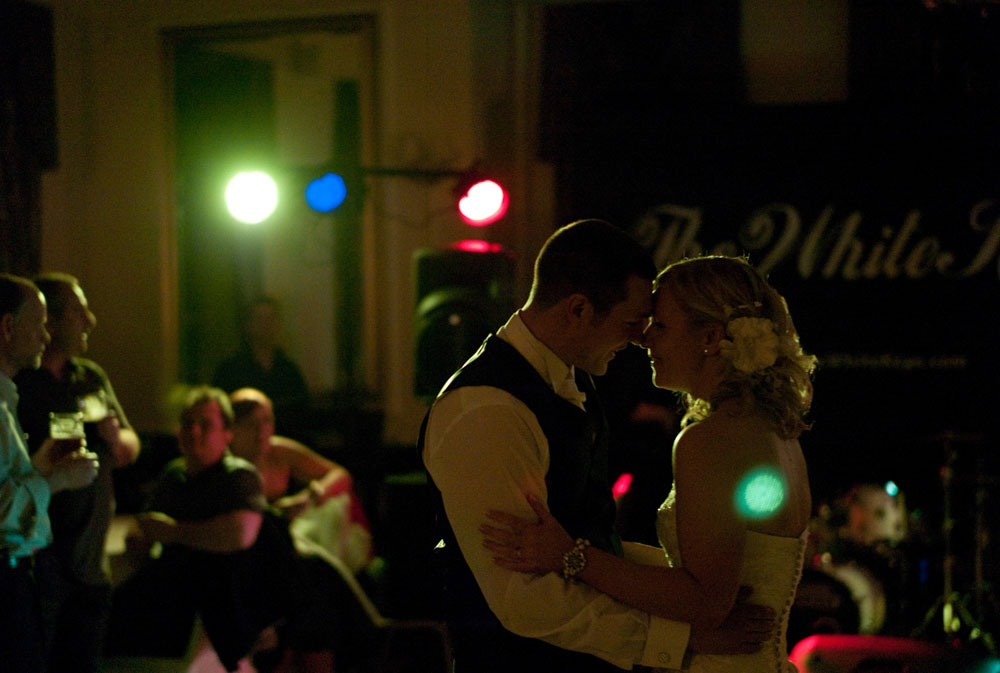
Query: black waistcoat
(579, 496)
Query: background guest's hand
(527, 546)
(54, 450)
(293, 505)
(65, 463)
(109, 429)
(157, 526)
(744, 630)
(137, 545)
(78, 469)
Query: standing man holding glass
(26, 484)
(74, 588)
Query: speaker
(461, 298)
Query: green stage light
(251, 197)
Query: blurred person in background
(75, 590)
(227, 557)
(27, 484)
(315, 493)
(262, 363)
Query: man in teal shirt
(26, 484)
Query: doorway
(293, 99)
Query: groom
(523, 416)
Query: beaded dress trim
(773, 567)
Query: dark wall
(27, 130)
(877, 217)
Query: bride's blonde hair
(716, 289)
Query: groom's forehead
(641, 295)
(638, 303)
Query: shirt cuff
(666, 643)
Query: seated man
(331, 514)
(223, 554)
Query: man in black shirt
(74, 587)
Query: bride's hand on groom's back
(743, 631)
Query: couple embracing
(534, 577)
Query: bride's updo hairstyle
(766, 366)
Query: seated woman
(326, 510)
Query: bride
(738, 510)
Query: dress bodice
(773, 567)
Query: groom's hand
(744, 630)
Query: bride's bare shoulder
(737, 440)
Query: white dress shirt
(485, 450)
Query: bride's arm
(644, 553)
(711, 539)
(710, 534)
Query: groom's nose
(642, 339)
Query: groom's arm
(743, 631)
(485, 450)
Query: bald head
(23, 336)
(253, 424)
(245, 400)
(15, 292)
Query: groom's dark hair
(591, 257)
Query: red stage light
(622, 485)
(483, 203)
(477, 246)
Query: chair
(399, 645)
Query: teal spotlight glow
(891, 488)
(987, 665)
(761, 493)
(251, 197)
(326, 193)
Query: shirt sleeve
(247, 490)
(114, 404)
(24, 493)
(485, 450)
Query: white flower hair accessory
(752, 345)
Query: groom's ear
(7, 321)
(579, 309)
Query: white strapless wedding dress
(773, 567)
